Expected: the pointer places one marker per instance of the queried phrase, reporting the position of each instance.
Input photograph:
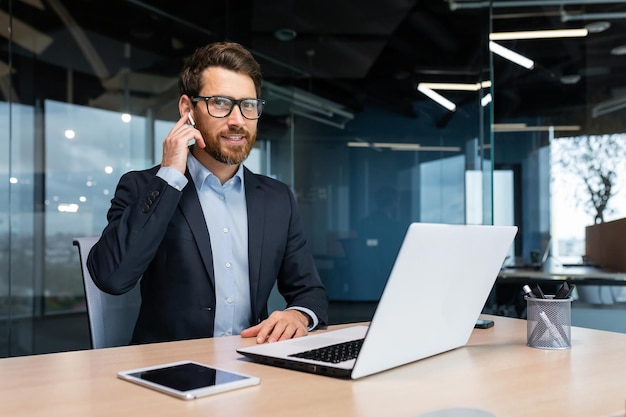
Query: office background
(88, 92)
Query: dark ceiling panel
(361, 53)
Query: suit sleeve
(299, 281)
(137, 221)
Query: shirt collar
(199, 174)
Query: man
(207, 237)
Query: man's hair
(228, 55)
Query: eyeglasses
(219, 106)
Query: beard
(229, 154)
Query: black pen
(565, 291)
(538, 292)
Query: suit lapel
(192, 211)
(255, 203)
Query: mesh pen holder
(549, 322)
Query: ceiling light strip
(506, 128)
(319, 119)
(438, 98)
(395, 145)
(511, 55)
(486, 99)
(457, 86)
(414, 147)
(539, 34)
(568, 17)
(455, 5)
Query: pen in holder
(549, 322)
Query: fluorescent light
(313, 107)
(359, 144)
(539, 34)
(338, 125)
(412, 147)
(67, 208)
(508, 126)
(485, 100)
(523, 127)
(437, 97)
(418, 148)
(511, 56)
(619, 50)
(457, 86)
(598, 27)
(608, 106)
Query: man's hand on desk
(280, 325)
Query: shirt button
(229, 300)
(222, 197)
(225, 230)
(227, 265)
(227, 334)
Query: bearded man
(204, 236)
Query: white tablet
(187, 379)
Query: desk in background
(496, 372)
(553, 270)
(595, 286)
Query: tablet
(187, 379)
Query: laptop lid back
(437, 289)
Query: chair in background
(111, 317)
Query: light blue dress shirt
(226, 216)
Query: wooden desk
(496, 372)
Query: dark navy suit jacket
(158, 234)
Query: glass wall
(89, 92)
(559, 122)
(559, 134)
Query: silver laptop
(437, 288)
(537, 261)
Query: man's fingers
(175, 145)
(280, 325)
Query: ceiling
(128, 53)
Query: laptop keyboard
(334, 353)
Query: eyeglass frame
(260, 104)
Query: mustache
(236, 130)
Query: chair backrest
(111, 317)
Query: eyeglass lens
(222, 106)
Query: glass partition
(558, 122)
(89, 93)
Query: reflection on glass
(81, 172)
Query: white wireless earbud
(191, 119)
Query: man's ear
(185, 106)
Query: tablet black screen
(188, 376)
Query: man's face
(229, 140)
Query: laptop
(537, 261)
(437, 288)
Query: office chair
(111, 317)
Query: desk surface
(496, 372)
